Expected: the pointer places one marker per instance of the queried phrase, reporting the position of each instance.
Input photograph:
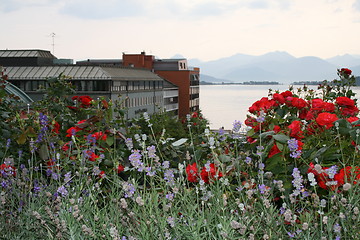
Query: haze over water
(223, 104)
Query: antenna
(53, 41)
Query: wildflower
(192, 173)
(236, 126)
(312, 179)
(210, 173)
(129, 189)
(151, 151)
(135, 160)
(297, 182)
(171, 221)
(129, 143)
(346, 186)
(169, 177)
(62, 190)
(120, 168)
(248, 160)
(166, 164)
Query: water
(223, 104)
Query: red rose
(279, 98)
(326, 119)
(299, 103)
(345, 102)
(349, 111)
(295, 130)
(346, 71)
(213, 173)
(286, 94)
(192, 173)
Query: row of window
(92, 85)
(142, 101)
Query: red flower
(346, 71)
(279, 98)
(274, 150)
(65, 147)
(56, 127)
(295, 130)
(345, 102)
(84, 101)
(326, 119)
(212, 174)
(192, 173)
(7, 169)
(349, 111)
(102, 174)
(99, 135)
(120, 168)
(91, 155)
(286, 94)
(299, 103)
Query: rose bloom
(345, 101)
(279, 98)
(326, 119)
(299, 103)
(349, 111)
(346, 71)
(295, 130)
(286, 94)
(192, 173)
(214, 173)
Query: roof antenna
(53, 42)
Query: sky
(202, 29)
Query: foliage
(84, 173)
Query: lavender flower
(236, 126)
(129, 189)
(169, 177)
(135, 160)
(293, 146)
(151, 151)
(62, 190)
(297, 182)
(129, 143)
(8, 143)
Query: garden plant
(74, 168)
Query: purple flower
(62, 190)
(236, 126)
(151, 151)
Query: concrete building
(177, 72)
(138, 90)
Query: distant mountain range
(274, 66)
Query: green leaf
(281, 138)
(355, 136)
(110, 140)
(266, 134)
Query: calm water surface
(223, 104)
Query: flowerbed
(75, 169)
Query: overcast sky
(203, 29)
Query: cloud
(356, 5)
(15, 5)
(95, 9)
(213, 8)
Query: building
(137, 90)
(175, 71)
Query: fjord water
(223, 104)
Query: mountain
(346, 60)
(275, 66)
(210, 79)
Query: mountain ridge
(275, 66)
